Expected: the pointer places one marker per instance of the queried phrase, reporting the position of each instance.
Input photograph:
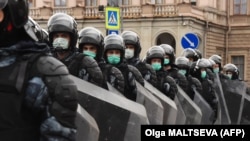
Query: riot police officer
(166, 84)
(231, 71)
(63, 36)
(91, 43)
(170, 67)
(38, 98)
(193, 83)
(199, 70)
(114, 50)
(132, 54)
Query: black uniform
(171, 69)
(165, 83)
(208, 92)
(34, 103)
(147, 72)
(115, 42)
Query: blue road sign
(190, 40)
(113, 32)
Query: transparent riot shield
(223, 114)
(244, 116)
(207, 111)
(152, 105)
(181, 116)
(114, 114)
(169, 106)
(114, 90)
(234, 91)
(192, 111)
(87, 128)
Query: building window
(90, 2)
(60, 3)
(126, 2)
(239, 62)
(158, 1)
(193, 2)
(240, 7)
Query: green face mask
(114, 59)
(203, 74)
(156, 66)
(183, 72)
(216, 70)
(166, 61)
(229, 76)
(89, 53)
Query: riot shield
(87, 128)
(152, 105)
(181, 116)
(207, 111)
(114, 90)
(233, 93)
(192, 111)
(223, 113)
(169, 106)
(244, 117)
(112, 113)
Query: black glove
(52, 130)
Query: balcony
(134, 12)
(92, 12)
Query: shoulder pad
(49, 65)
(89, 62)
(137, 74)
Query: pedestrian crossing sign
(112, 18)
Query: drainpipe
(228, 29)
(205, 39)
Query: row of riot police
(40, 98)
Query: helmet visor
(3, 3)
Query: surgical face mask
(156, 66)
(203, 74)
(89, 53)
(61, 43)
(229, 76)
(216, 70)
(129, 53)
(166, 61)
(114, 59)
(183, 72)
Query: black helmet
(18, 10)
(198, 53)
(61, 22)
(182, 62)
(114, 41)
(131, 38)
(34, 30)
(155, 52)
(169, 50)
(232, 68)
(190, 53)
(216, 59)
(91, 35)
(197, 65)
